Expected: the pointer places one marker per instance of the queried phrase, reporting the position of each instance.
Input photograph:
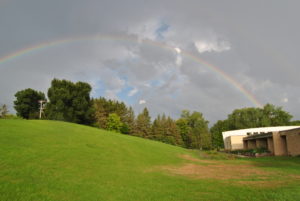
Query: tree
(143, 124)
(70, 102)
(27, 103)
(269, 115)
(100, 112)
(194, 130)
(3, 111)
(172, 132)
(128, 122)
(157, 130)
(103, 107)
(275, 116)
(295, 123)
(184, 131)
(114, 122)
(199, 131)
(216, 133)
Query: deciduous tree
(70, 102)
(114, 122)
(27, 103)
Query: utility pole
(41, 107)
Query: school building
(280, 141)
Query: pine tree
(143, 124)
(172, 132)
(157, 129)
(100, 112)
(128, 122)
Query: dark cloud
(255, 43)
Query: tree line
(269, 115)
(71, 102)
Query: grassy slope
(47, 160)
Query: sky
(167, 55)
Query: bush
(11, 116)
(250, 152)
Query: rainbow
(49, 44)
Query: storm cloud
(165, 55)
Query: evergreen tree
(128, 122)
(172, 133)
(157, 131)
(101, 112)
(103, 107)
(143, 124)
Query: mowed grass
(49, 160)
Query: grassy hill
(49, 160)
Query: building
(280, 140)
(279, 143)
(234, 142)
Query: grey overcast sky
(167, 55)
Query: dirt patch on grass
(217, 171)
(244, 173)
(190, 158)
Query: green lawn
(49, 160)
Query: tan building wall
(261, 143)
(270, 145)
(227, 143)
(280, 145)
(293, 142)
(251, 144)
(237, 142)
(234, 142)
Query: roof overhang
(258, 136)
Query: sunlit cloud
(212, 46)
(133, 92)
(142, 102)
(177, 49)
